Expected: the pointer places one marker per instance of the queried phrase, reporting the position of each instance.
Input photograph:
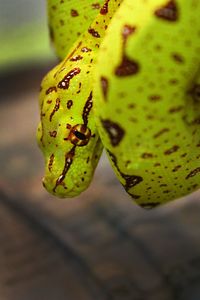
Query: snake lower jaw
(65, 187)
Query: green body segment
(68, 19)
(67, 133)
(147, 98)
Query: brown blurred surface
(96, 246)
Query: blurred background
(97, 246)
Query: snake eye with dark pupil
(81, 136)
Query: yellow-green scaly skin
(147, 96)
(145, 86)
(67, 133)
(68, 19)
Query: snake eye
(79, 135)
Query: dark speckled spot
(64, 83)
(74, 13)
(127, 66)
(114, 130)
(171, 150)
(104, 86)
(193, 173)
(104, 9)
(94, 33)
(168, 12)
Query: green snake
(128, 82)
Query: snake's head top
(66, 133)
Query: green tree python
(128, 82)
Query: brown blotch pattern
(86, 49)
(195, 92)
(168, 12)
(51, 160)
(69, 104)
(127, 66)
(130, 180)
(160, 132)
(53, 133)
(76, 58)
(51, 89)
(155, 98)
(193, 173)
(171, 150)
(87, 108)
(147, 155)
(104, 9)
(96, 6)
(74, 13)
(94, 33)
(55, 109)
(64, 83)
(114, 130)
(175, 109)
(178, 58)
(104, 86)
(68, 161)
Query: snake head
(66, 133)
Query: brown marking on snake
(96, 6)
(94, 33)
(87, 108)
(127, 66)
(86, 49)
(68, 161)
(114, 130)
(74, 13)
(147, 155)
(175, 109)
(75, 49)
(130, 180)
(69, 104)
(50, 162)
(64, 83)
(104, 9)
(160, 132)
(193, 173)
(176, 168)
(51, 89)
(76, 58)
(155, 98)
(171, 150)
(68, 126)
(104, 86)
(195, 92)
(53, 133)
(168, 12)
(178, 58)
(55, 109)
(135, 197)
